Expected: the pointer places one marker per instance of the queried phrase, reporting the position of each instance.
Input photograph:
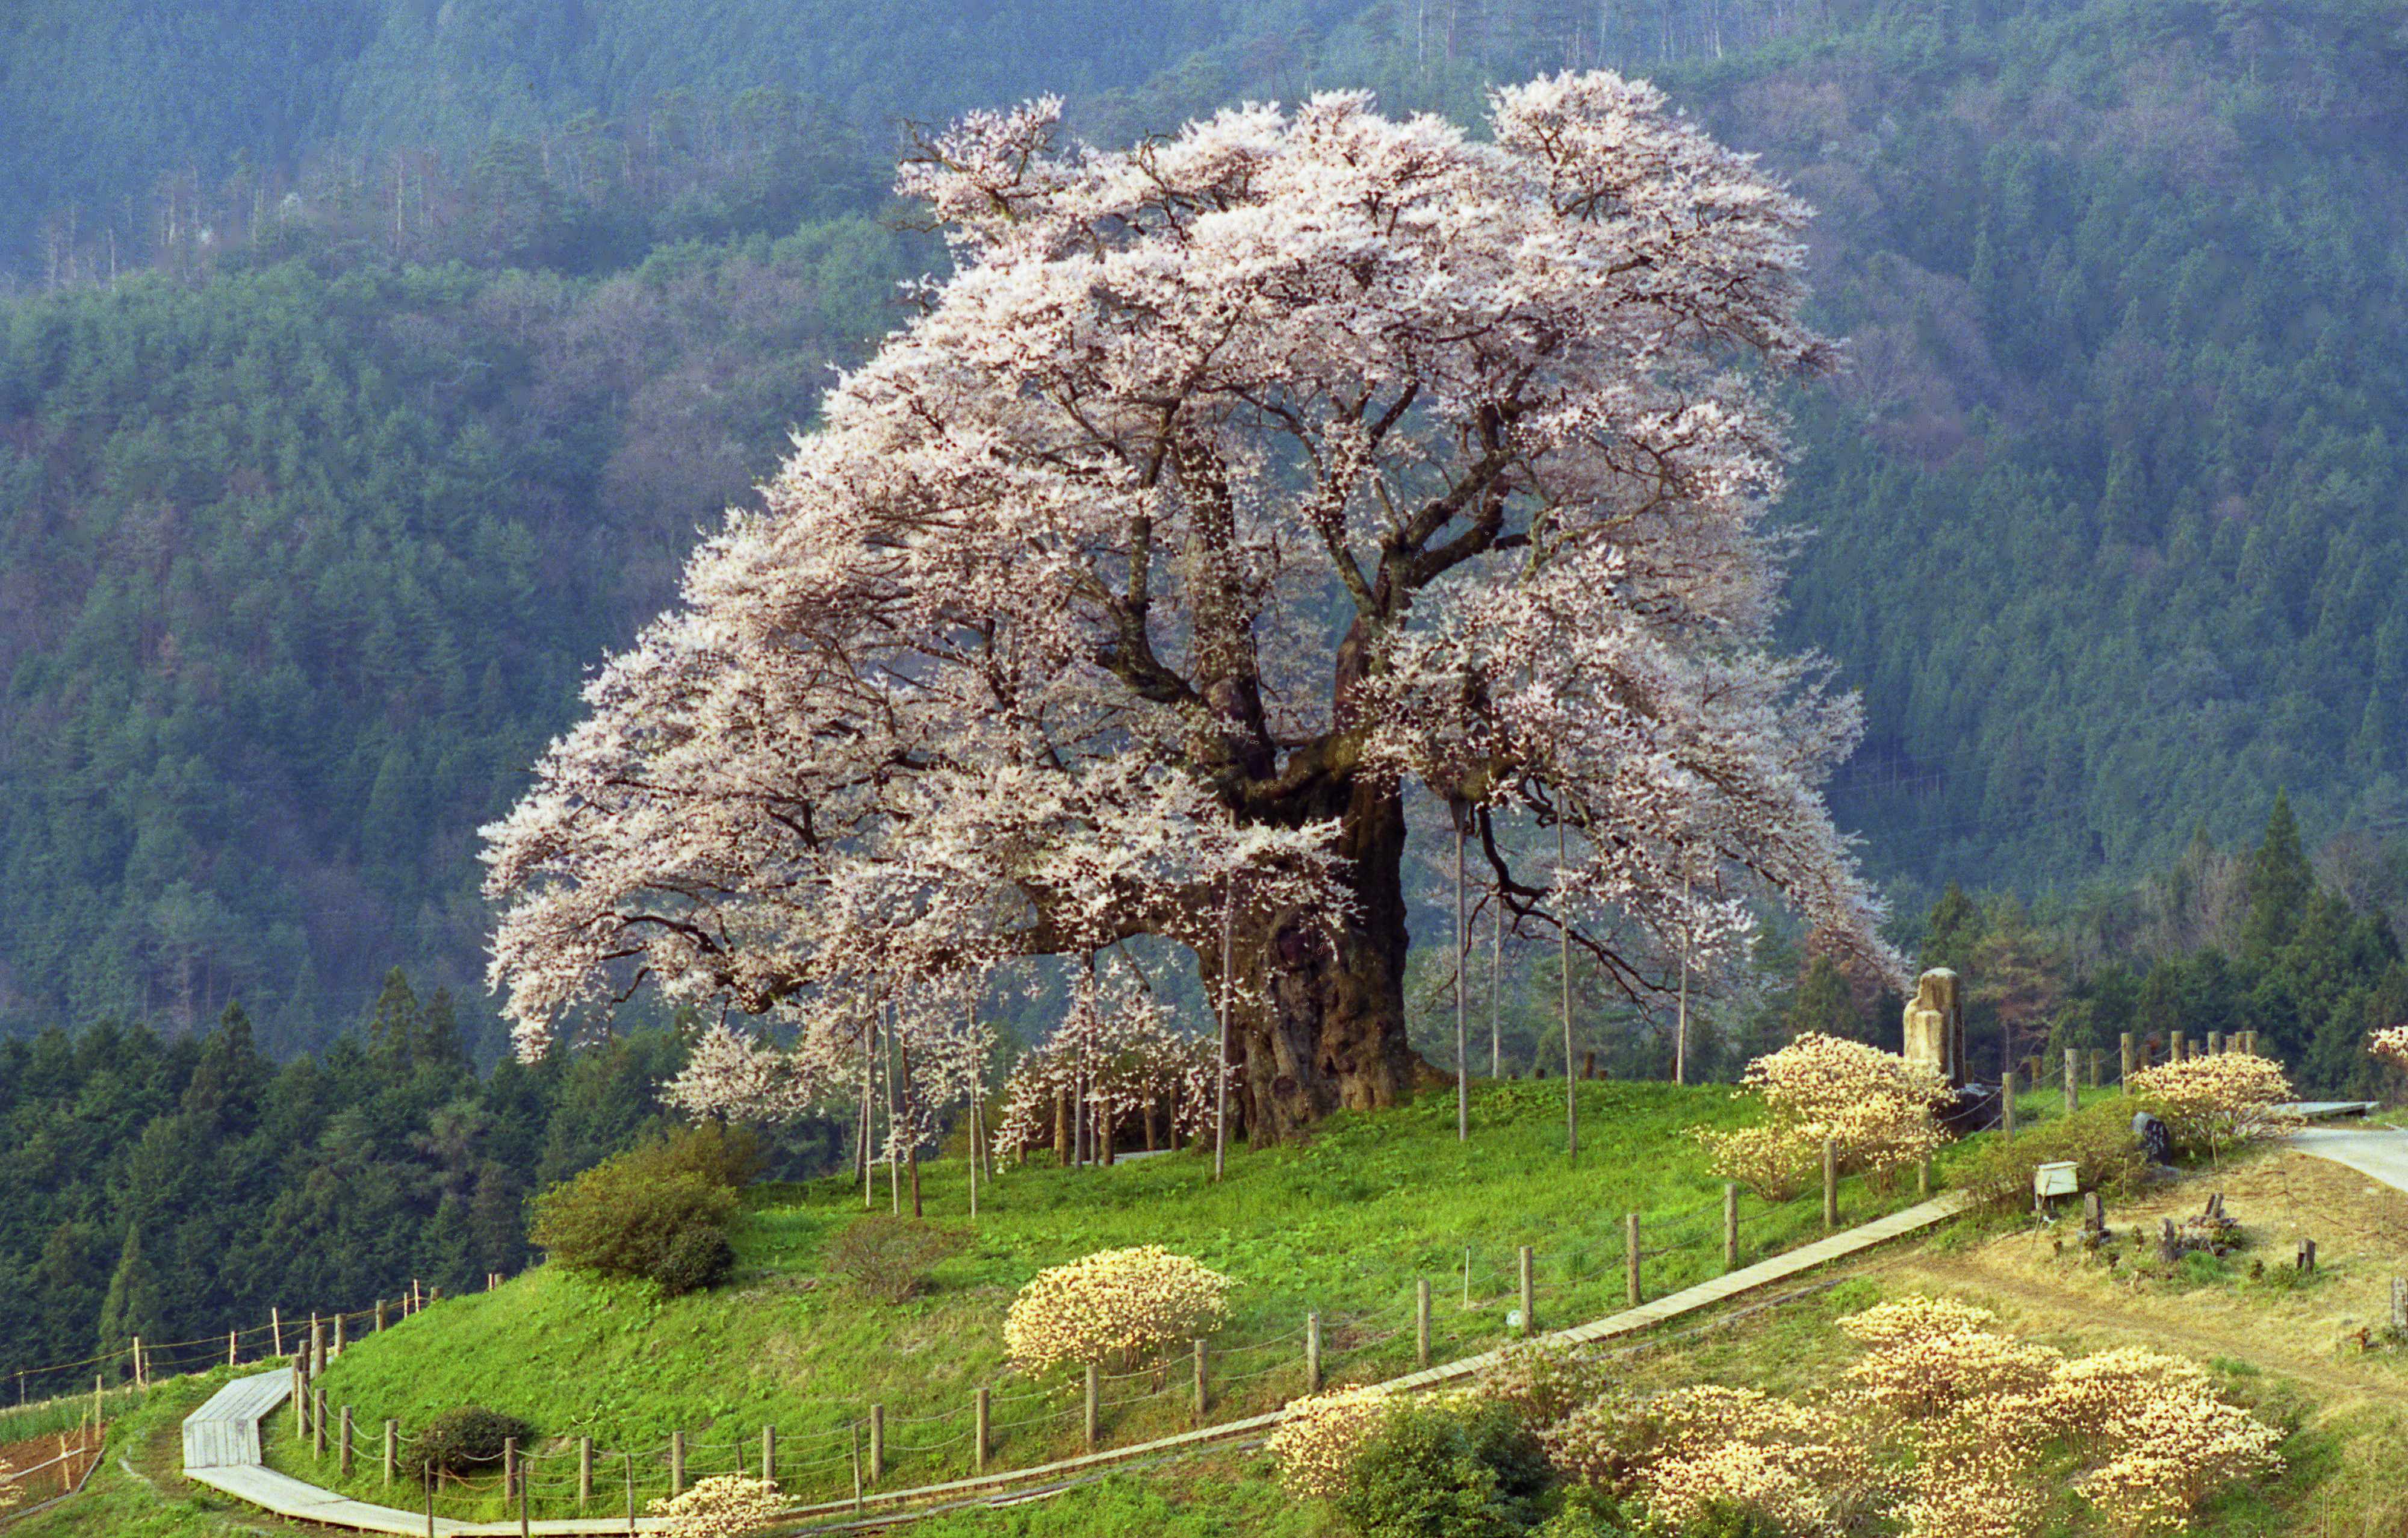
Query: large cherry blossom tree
(1233, 485)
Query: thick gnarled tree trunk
(1331, 1034)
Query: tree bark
(1332, 1035)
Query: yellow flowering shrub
(725, 1506)
(1115, 1306)
(2391, 1045)
(1877, 1107)
(2210, 1103)
(1318, 1438)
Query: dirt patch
(2043, 1279)
(67, 1458)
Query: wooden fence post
(2180, 1048)
(317, 1346)
(876, 1442)
(1730, 1225)
(300, 1371)
(343, 1445)
(2073, 1081)
(1095, 1404)
(526, 1528)
(427, 1481)
(338, 1336)
(769, 1452)
(1830, 1184)
(1529, 1294)
(979, 1442)
(391, 1446)
(275, 1332)
(2124, 1076)
(676, 1463)
(1312, 1353)
(2098, 1059)
(510, 1467)
(1421, 1321)
(1203, 1383)
(2007, 1105)
(631, 1481)
(134, 1359)
(232, 1337)
(2215, 1043)
(379, 1316)
(584, 1473)
(1631, 1259)
(856, 1480)
(317, 1420)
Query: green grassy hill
(1343, 1226)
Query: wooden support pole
(2072, 1080)
(676, 1463)
(343, 1443)
(379, 1316)
(2098, 1060)
(1632, 1258)
(1203, 1383)
(427, 1481)
(300, 1371)
(339, 1335)
(317, 1346)
(856, 1480)
(980, 1439)
(2126, 1069)
(769, 1448)
(1312, 1353)
(1923, 1178)
(2215, 1043)
(275, 1332)
(1529, 1293)
(2007, 1105)
(526, 1528)
(1830, 1184)
(510, 1467)
(2307, 1255)
(317, 1420)
(134, 1361)
(1421, 1321)
(2180, 1048)
(391, 1446)
(1095, 1405)
(876, 1442)
(631, 1483)
(231, 1338)
(584, 1473)
(1730, 1226)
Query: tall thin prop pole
(869, 1129)
(1681, 1029)
(1462, 954)
(1221, 1085)
(1497, 986)
(1564, 930)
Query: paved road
(2380, 1152)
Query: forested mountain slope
(397, 350)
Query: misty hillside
(369, 366)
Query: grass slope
(1344, 1225)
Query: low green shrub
(1443, 1471)
(890, 1258)
(659, 1212)
(2098, 1140)
(467, 1441)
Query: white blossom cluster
(2391, 1045)
(1114, 1056)
(2218, 1101)
(1300, 449)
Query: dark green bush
(889, 1258)
(467, 1441)
(2098, 1139)
(659, 1213)
(1436, 1471)
(1733, 1519)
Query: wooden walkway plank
(226, 1429)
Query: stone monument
(1935, 1026)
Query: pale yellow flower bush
(1318, 1438)
(2219, 1102)
(1875, 1107)
(1115, 1306)
(725, 1506)
(2391, 1045)
(1681, 1452)
(1977, 1408)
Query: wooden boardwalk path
(225, 1421)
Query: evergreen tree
(131, 1309)
(2277, 881)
